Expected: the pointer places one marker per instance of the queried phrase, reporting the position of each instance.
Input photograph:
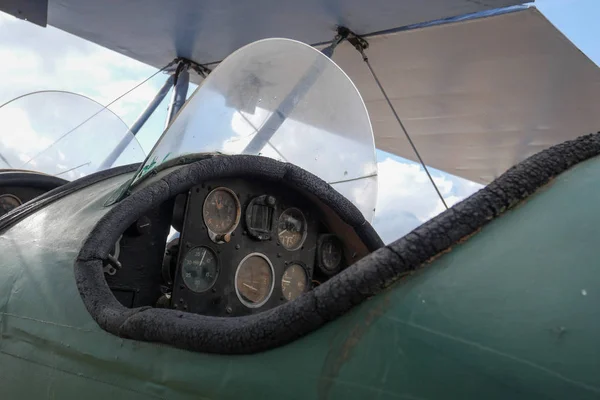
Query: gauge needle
(250, 287)
(202, 258)
(284, 281)
(282, 232)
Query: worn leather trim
(364, 279)
(196, 332)
(30, 179)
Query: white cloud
(36, 58)
(407, 199)
(22, 142)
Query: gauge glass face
(331, 253)
(291, 229)
(221, 211)
(200, 269)
(8, 202)
(254, 280)
(293, 282)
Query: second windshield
(63, 134)
(285, 100)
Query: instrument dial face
(221, 211)
(293, 282)
(254, 280)
(200, 269)
(8, 202)
(291, 229)
(331, 253)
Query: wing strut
(179, 81)
(180, 89)
(138, 124)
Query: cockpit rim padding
(117, 319)
(362, 280)
(31, 179)
(50, 196)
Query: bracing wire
(387, 99)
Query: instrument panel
(248, 246)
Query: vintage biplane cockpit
(247, 244)
(247, 234)
(251, 243)
(233, 257)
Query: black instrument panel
(247, 246)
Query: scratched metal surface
(511, 313)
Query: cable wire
(366, 60)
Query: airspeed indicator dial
(254, 280)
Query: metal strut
(178, 80)
(137, 125)
(181, 84)
(361, 45)
(180, 89)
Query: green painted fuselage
(512, 312)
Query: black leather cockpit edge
(366, 278)
(30, 179)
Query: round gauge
(294, 281)
(8, 202)
(221, 211)
(291, 229)
(254, 280)
(330, 253)
(200, 269)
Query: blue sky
(35, 58)
(578, 21)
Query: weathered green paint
(511, 313)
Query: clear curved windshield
(282, 99)
(63, 134)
